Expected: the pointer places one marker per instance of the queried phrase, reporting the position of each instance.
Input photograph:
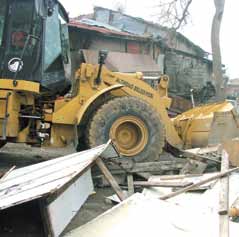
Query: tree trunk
(216, 50)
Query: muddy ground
(22, 155)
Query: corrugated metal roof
(102, 28)
(35, 181)
(139, 26)
(99, 24)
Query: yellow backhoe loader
(41, 106)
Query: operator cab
(34, 43)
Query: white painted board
(62, 210)
(35, 181)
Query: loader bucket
(207, 125)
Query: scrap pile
(198, 187)
(191, 203)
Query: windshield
(2, 18)
(21, 41)
(21, 26)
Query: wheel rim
(130, 135)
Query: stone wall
(186, 73)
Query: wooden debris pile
(190, 203)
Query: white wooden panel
(65, 207)
(35, 181)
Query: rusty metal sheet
(133, 47)
(100, 29)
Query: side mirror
(50, 7)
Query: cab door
(22, 49)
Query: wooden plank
(199, 157)
(130, 181)
(181, 176)
(145, 175)
(162, 184)
(215, 177)
(7, 173)
(194, 167)
(232, 147)
(203, 150)
(35, 181)
(62, 210)
(224, 197)
(144, 167)
(160, 166)
(110, 179)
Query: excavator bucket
(207, 125)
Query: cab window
(3, 8)
(20, 25)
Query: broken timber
(110, 179)
(162, 184)
(52, 184)
(183, 190)
(148, 167)
(224, 198)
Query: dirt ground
(22, 155)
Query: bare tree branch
(174, 13)
(184, 15)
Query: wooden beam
(145, 167)
(212, 178)
(180, 176)
(130, 181)
(160, 166)
(199, 157)
(110, 179)
(224, 197)
(145, 175)
(162, 184)
(193, 167)
(7, 173)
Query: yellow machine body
(208, 124)
(71, 111)
(61, 118)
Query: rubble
(205, 197)
(182, 194)
(142, 216)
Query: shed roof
(107, 30)
(132, 26)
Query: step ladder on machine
(4, 119)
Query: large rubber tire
(98, 131)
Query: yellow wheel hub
(130, 135)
